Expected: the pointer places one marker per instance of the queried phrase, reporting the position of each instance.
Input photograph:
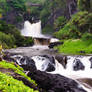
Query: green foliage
(44, 15)
(76, 46)
(60, 22)
(18, 4)
(84, 5)
(7, 41)
(48, 29)
(17, 69)
(77, 26)
(9, 84)
(11, 36)
(4, 7)
(87, 36)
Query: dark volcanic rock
(77, 65)
(51, 64)
(7, 57)
(55, 82)
(51, 58)
(27, 63)
(62, 60)
(90, 62)
(51, 45)
(23, 61)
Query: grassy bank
(76, 46)
(9, 83)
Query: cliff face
(68, 10)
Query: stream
(78, 68)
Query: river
(78, 68)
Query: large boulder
(77, 65)
(61, 59)
(44, 62)
(51, 65)
(55, 82)
(51, 45)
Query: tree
(84, 5)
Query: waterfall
(32, 30)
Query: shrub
(14, 34)
(60, 22)
(9, 84)
(48, 29)
(7, 41)
(44, 15)
(84, 5)
(87, 36)
(77, 26)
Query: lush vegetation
(76, 46)
(17, 69)
(22, 10)
(77, 26)
(10, 36)
(8, 83)
(84, 5)
(77, 32)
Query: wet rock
(90, 62)
(51, 58)
(50, 68)
(30, 64)
(51, 45)
(77, 65)
(51, 65)
(55, 82)
(62, 60)
(7, 57)
(25, 62)
(82, 52)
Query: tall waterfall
(32, 30)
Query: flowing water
(78, 68)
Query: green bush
(44, 15)
(14, 34)
(48, 29)
(87, 36)
(60, 22)
(76, 27)
(17, 69)
(7, 41)
(84, 5)
(9, 84)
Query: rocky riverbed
(52, 71)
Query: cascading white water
(32, 30)
(70, 72)
(43, 62)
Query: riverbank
(75, 47)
